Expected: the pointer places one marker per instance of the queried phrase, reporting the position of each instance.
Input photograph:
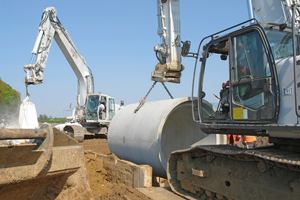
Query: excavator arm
(169, 51)
(49, 28)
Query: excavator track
(229, 172)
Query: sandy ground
(100, 180)
(96, 145)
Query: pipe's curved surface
(157, 129)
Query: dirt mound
(96, 145)
(99, 178)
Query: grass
(53, 120)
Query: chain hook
(142, 101)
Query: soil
(96, 145)
(99, 179)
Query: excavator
(86, 114)
(259, 60)
(51, 165)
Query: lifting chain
(27, 94)
(167, 90)
(142, 101)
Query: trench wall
(128, 173)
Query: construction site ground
(103, 183)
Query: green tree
(45, 117)
(41, 117)
(9, 102)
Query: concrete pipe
(157, 129)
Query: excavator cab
(93, 111)
(251, 95)
(97, 120)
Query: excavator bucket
(50, 166)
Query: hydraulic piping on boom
(169, 51)
(90, 114)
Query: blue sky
(116, 38)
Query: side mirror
(223, 57)
(185, 48)
(202, 94)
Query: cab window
(111, 107)
(250, 63)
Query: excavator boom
(168, 52)
(86, 113)
(49, 28)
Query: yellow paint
(238, 113)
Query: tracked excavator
(260, 61)
(147, 133)
(88, 114)
(51, 165)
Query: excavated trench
(101, 180)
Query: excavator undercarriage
(50, 166)
(230, 172)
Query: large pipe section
(157, 129)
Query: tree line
(10, 102)
(44, 117)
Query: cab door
(253, 77)
(92, 107)
(111, 107)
